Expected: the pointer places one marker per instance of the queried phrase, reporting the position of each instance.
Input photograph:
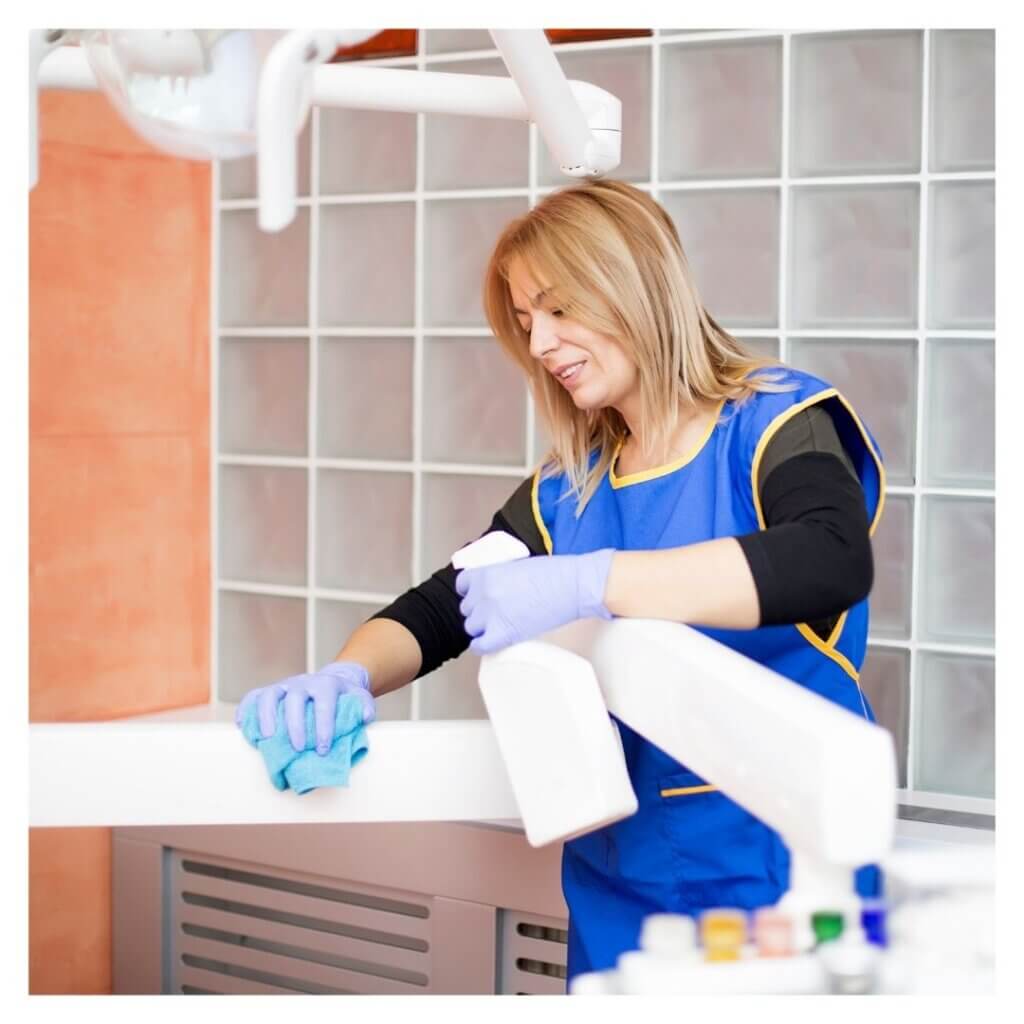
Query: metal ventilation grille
(239, 930)
(532, 955)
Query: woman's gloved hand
(323, 687)
(511, 602)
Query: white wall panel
(963, 100)
(856, 103)
(262, 524)
(262, 276)
(853, 256)
(956, 725)
(365, 530)
(263, 396)
(353, 420)
(474, 408)
(731, 241)
(721, 110)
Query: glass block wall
(835, 193)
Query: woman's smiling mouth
(570, 373)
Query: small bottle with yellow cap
(723, 934)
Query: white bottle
(562, 750)
(851, 963)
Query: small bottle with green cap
(827, 925)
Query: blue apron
(688, 847)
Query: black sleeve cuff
(814, 560)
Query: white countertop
(191, 766)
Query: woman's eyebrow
(535, 301)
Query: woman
(688, 480)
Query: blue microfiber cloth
(305, 770)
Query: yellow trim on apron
(688, 790)
(837, 630)
(840, 659)
(671, 467)
(538, 518)
(828, 648)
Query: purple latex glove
(510, 602)
(323, 687)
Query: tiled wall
(119, 475)
(835, 195)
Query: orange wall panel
(83, 120)
(119, 308)
(69, 911)
(119, 466)
(118, 606)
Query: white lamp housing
(580, 123)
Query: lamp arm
(280, 106)
(585, 138)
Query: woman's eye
(557, 312)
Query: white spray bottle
(561, 749)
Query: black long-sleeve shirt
(811, 562)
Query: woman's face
(592, 367)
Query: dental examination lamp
(824, 778)
(225, 94)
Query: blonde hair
(610, 258)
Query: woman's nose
(542, 338)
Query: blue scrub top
(688, 847)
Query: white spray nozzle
(491, 548)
